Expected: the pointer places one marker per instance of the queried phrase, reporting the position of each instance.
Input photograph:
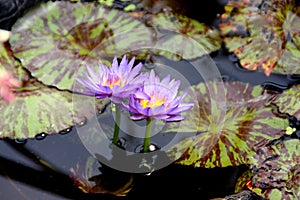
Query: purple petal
(144, 111)
(175, 118)
(115, 99)
(166, 80)
(152, 76)
(124, 106)
(101, 96)
(132, 109)
(104, 90)
(138, 117)
(176, 85)
(157, 110)
(141, 78)
(141, 95)
(124, 65)
(134, 72)
(160, 117)
(90, 86)
(130, 64)
(114, 66)
(181, 108)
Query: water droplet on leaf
(40, 136)
(65, 131)
(20, 140)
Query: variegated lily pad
(288, 101)
(56, 39)
(243, 181)
(277, 170)
(230, 129)
(263, 34)
(181, 37)
(40, 109)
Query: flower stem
(117, 123)
(147, 135)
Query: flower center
(153, 102)
(113, 81)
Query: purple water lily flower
(115, 82)
(157, 99)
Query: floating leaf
(229, 129)
(39, 109)
(56, 38)
(263, 34)
(85, 179)
(180, 37)
(276, 170)
(243, 181)
(288, 101)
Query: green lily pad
(229, 128)
(54, 40)
(288, 101)
(40, 109)
(276, 170)
(181, 37)
(263, 34)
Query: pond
(190, 100)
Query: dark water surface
(40, 168)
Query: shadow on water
(28, 164)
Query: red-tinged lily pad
(181, 37)
(243, 181)
(276, 170)
(289, 101)
(229, 129)
(263, 35)
(56, 39)
(86, 178)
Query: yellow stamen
(112, 82)
(155, 103)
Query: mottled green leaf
(56, 39)
(40, 109)
(181, 37)
(229, 127)
(276, 170)
(289, 61)
(263, 34)
(289, 101)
